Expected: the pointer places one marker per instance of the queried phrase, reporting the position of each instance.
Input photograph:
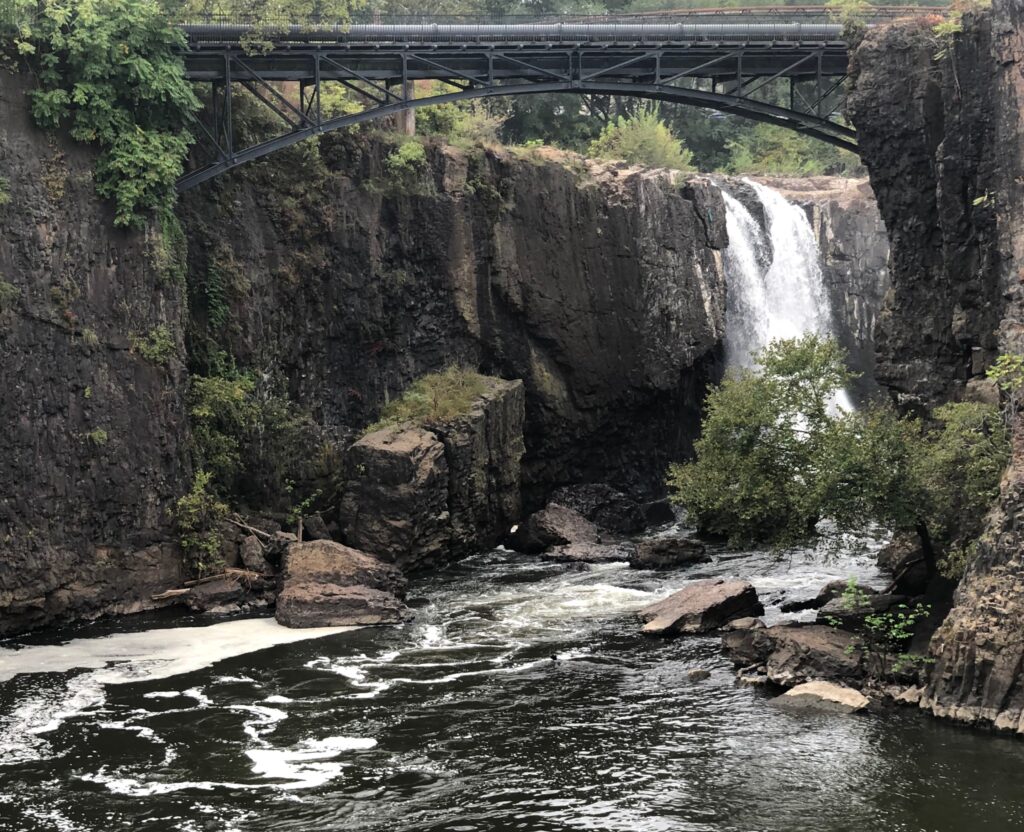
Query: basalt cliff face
(946, 155)
(601, 287)
(92, 433)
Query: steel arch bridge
(718, 60)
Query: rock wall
(946, 155)
(421, 496)
(599, 286)
(91, 432)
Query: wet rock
(552, 526)
(802, 654)
(700, 608)
(418, 496)
(903, 559)
(590, 553)
(230, 593)
(823, 696)
(838, 612)
(602, 505)
(668, 553)
(698, 675)
(326, 584)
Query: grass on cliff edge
(433, 398)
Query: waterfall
(775, 284)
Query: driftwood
(171, 593)
(237, 574)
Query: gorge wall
(946, 157)
(340, 276)
(600, 287)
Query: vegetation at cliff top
(433, 398)
(641, 139)
(774, 458)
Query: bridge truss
(721, 66)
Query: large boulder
(823, 696)
(668, 553)
(555, 525)
(833, 589)
(603, 505)
(419, 496)
(792, 654)
(701, 607)
(326, 584)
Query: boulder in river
(668, 553)
(604, 506)
(903, 559)
(823, 696)
(792, 654)
(590, 553)
(326, 584)
(701, 607)
(555, 525)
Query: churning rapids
(521, 698)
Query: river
(521, 698)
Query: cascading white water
(776, 286)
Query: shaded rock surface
(791, 654)
(553, 526)
(700, 608)
(604, 506)
(93, 442)
(851, 616)
(668, 553)
(590, 553)
(326, 584)
(419, 496)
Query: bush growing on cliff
(107, 70)
(434, 398)
(643, 139)
(774, 459)
(197, 516)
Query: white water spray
(776, 286)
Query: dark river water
(463, 721)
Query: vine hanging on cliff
(108, 71)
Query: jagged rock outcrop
(92, 425)
(944, 141)
(420, 496)
(600, 286)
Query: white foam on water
(264, 719)
(306, 766)
(121, 659)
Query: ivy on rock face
(109, 72)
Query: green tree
(774, 459)
(642, 139)
(108, 70)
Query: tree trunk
(927, 549)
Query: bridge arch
(818, 128)
(639, 60)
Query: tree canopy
(776, 457)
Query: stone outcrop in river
(420, 496)
(944, 142)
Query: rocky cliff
(943, 138)
(92, 426)
(599, 286)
